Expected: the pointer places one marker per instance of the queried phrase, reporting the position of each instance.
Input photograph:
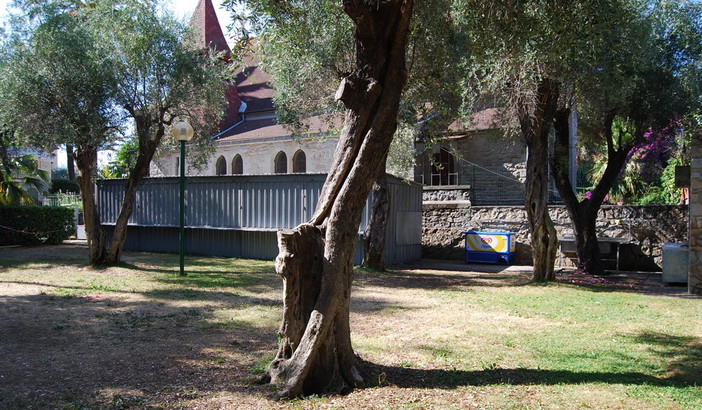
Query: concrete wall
(258, 157)
(646, 229)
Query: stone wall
(645, 229)
(446, 193)
(491, 166)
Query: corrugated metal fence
(239, 215)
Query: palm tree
(18, 173)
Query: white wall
(258, 157)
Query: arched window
(221, 166)
(237, 165)
(443, 169)
(299, 161)
(281, 163)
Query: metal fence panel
(238, 215)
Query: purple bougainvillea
(655, 151)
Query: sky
(181, 8)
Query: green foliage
(35, 225)
(123, 163)
(65, 186)
(159, 76)
(103, 67)
(662, 191)
(17, 175)
(59, 173)
(59, 86)
(401, 158)
(307, 47)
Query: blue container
(490, 247)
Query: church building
(250, 139)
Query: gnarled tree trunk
(535, 122)
(86, 157)
(316, 259)
(147, 149)
(583, 214)
(374, 237)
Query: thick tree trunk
(86, 157)
(147, 150)
(70, 165)
(316, 354)
(583, 214)
(374, 237)
(535, 122)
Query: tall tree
(310, 53)
(113, 63)
(159, 77)
(316, 258)
(545, 55)
(644, 77)
(60, 94)
(523, 55)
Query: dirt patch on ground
(68, 343)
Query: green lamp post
(182, 132)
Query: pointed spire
(208, 32)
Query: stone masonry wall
(446, 193)
(646, 229)
(491, 170)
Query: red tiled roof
(253, 85)
(486, 119)
(269, 128)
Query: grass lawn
(139, 336)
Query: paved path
(645, 282)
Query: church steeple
(208, 32)
(209, 35)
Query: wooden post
(694, 282)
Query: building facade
(250, 139)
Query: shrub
(64, 185)
(35, 225)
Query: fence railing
(62, 199)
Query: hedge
(35, 225)
(65, 186)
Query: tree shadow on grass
(230, 299)
(451, 379)
(398, 279)
(52, 255)
(82, 352)
(682, 353)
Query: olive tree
(309, 53)
(84, 72)
(316, 258)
